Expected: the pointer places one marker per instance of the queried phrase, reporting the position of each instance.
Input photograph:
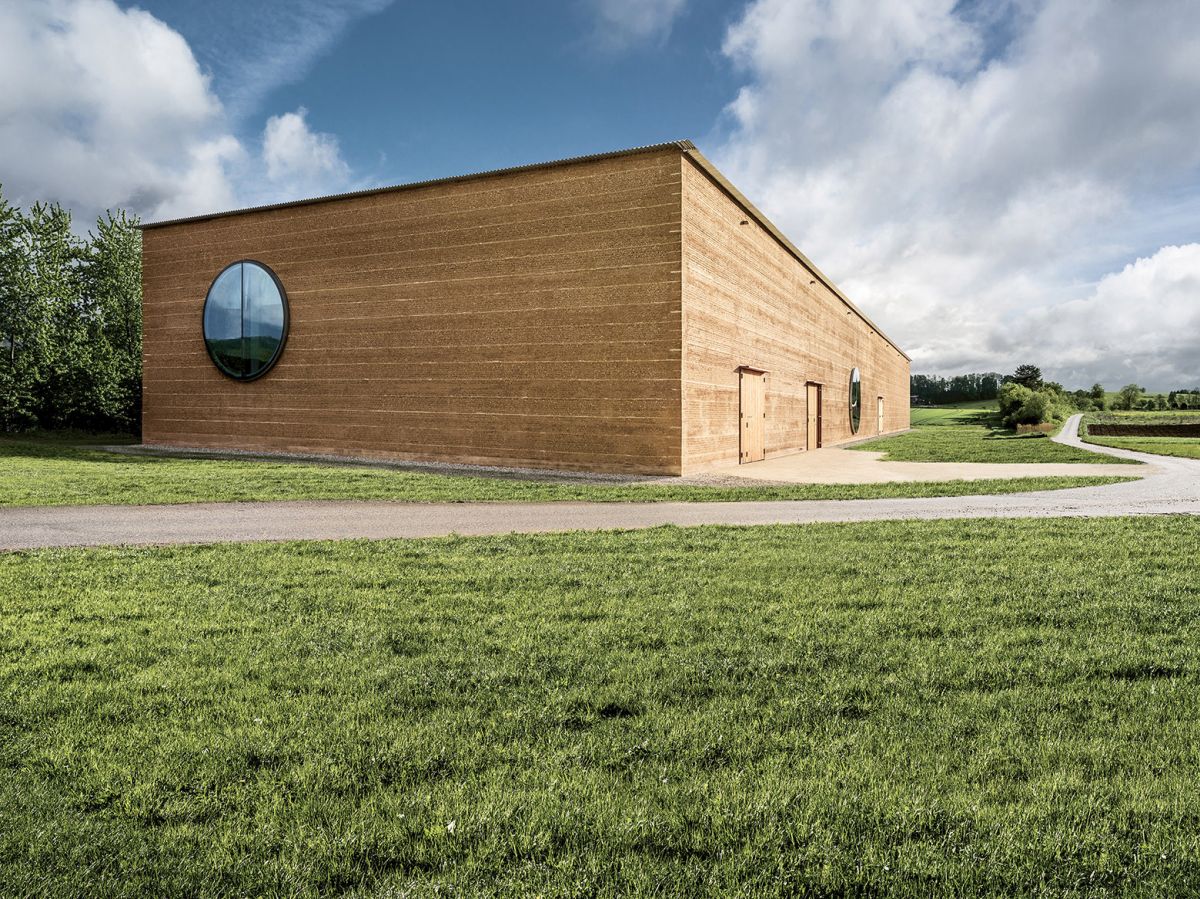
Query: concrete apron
(836, 465)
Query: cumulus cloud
(106, 107)
(971, 171)
(1141, 324)
(300, 160)
(624, 23)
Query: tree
(70, 321)
(960, 388)
(1129, 396)
(1027, 376)
(112, 285)
(13, 389)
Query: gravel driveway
(1171, 486)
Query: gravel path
(1171, 486)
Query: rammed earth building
(624, 312)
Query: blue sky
(505, 84)
(994, 181)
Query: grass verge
(1185, 447)
(965, 435)
(44, 474)
(886, 709)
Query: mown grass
(888, 709)
(1185, 447)
(1166, 416)
(967, 435)
(41, 473)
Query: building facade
(627, 312)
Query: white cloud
(962, 187)
(624, 23)
(299, 160)
(1141, 324)
(105, 108)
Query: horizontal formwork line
(286, 430)
(546, 273)
(292, 349)
(206, 270)
(308, 328)
(194, 253)
(653, 245)
(278, 229)
(281, 378)
(337, 206)
(452, 453)
(337, 417)
(306, 320)
(655, 399)
(535, 406)
(198, 302)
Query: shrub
(1019, 405)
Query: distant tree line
(935, 391)
(1184, 399)
(70, 321)
(1133, 397)
(1024, 397)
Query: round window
(855, 400)
(245, 320)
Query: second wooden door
(753, 418)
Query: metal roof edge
(738, 197)
(683, 146)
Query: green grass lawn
(1170, 416)
(964, 435)
(960, 708)
(966, 404)
(1186, 447)
(52, 473)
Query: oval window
(245, 320)
(855, 400)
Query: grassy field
(961, 708)
(1187, 447)
(43, 472)
(942, 434)
(967, 404)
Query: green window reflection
(855, 400)
(245, 320)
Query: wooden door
(814, 416)
(753, 418)
(879, 430)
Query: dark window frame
(855, 420)
(287, 319)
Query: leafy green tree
(1129, 396)
(111, 277)
(1027, 376)
(13, 389)
(70, 321)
